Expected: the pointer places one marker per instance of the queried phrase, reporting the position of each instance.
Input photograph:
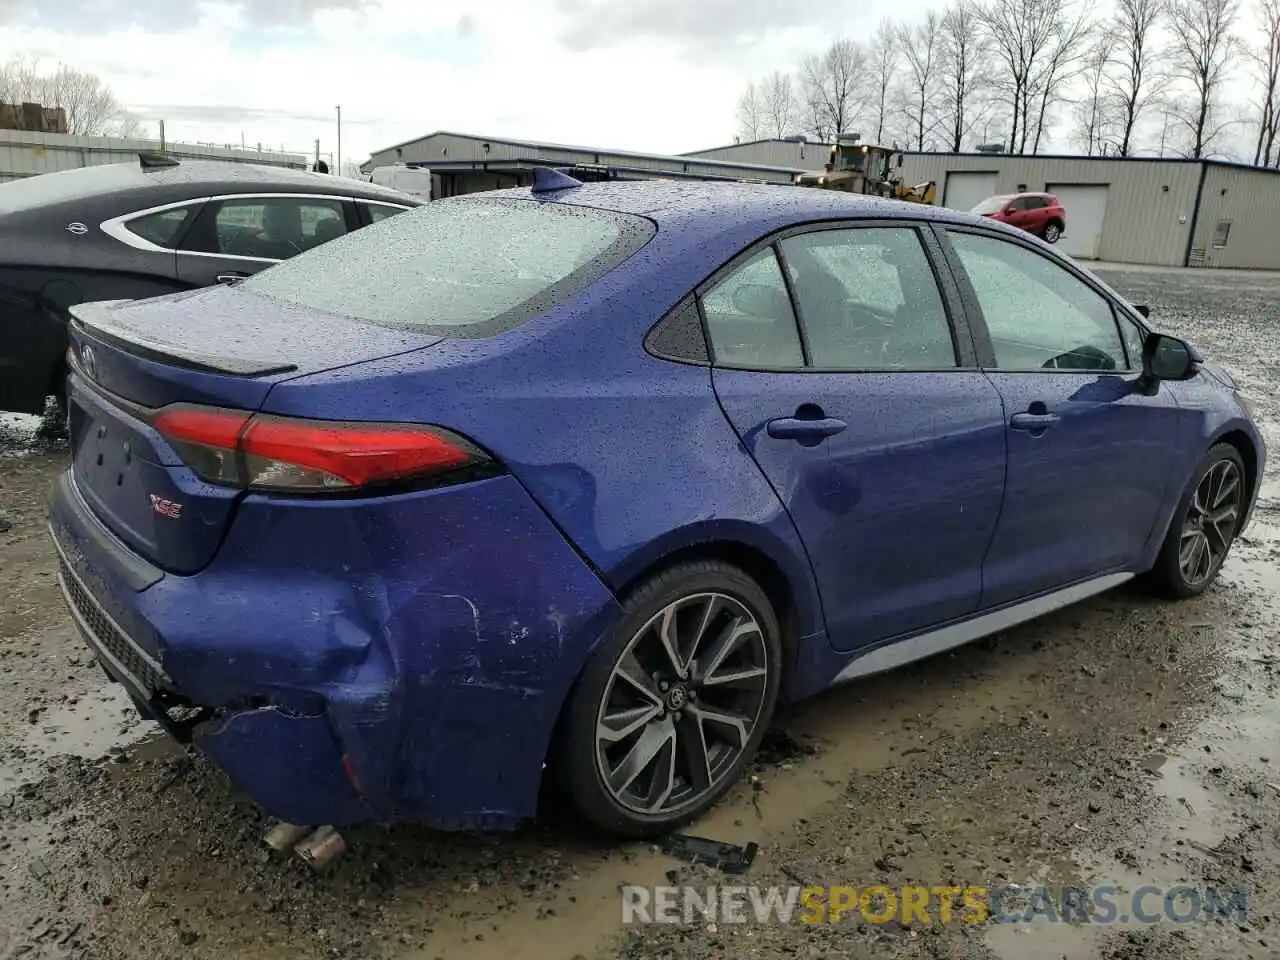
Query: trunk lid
(222, 347)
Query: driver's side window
(1039, 316)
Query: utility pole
(162, 136)
(317, 149)
(339, 159)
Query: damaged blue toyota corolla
(572, 484)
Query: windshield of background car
(991, 205)
(458, 267)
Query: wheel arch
(1248, 450)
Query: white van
(415, 181)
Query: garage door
(1086, 206)
(964, 191)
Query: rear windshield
(458, 267)
(992, 204)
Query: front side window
(749, 317)
(463, 267)
(1039, 316)
(868, 300)
(162, 228)
(267, 228)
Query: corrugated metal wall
(25, 154)
(1244, 205)
(439, 147)
(770, 153)
(1150, 203)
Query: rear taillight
(286, 454)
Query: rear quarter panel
(631, 456)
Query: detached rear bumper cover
(403, 658)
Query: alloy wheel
(682, 704)
(1210, 523)
(1051, 233)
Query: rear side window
(463, 267)
(267, 228)
(164, 228)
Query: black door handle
(1033, 422)
(793, 428)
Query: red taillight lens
(287, 454)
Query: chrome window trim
(118, 227)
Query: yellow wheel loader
(867, 168)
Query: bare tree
(128, 126)
(921, 47)
(779, 104)
(1022, 33)
(1203, 43)
(962, 55)
(1266, 59)
(1096, 114)
(89, 104)
(750, 114)
(1072, 31)
(832, 84)
(1134, 78)
(883, 63)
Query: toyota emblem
(89, 362)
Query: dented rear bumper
(397, 659)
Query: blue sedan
(573, 484)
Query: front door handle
(231, 277)
(793, 428)
(1033, 422)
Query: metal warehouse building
(1199, 213)
(461, 163)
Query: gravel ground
(1122, 741)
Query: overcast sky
(656, 75)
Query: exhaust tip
(282, 837)
(320, 848)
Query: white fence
(25, 154)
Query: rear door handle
(231, 277)
(793, 428)
(1033, 422)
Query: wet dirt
(1125, 741)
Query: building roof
(590, 151)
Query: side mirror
(1143, 309)
(761, 300)
(1011, 209)
(1167, 358)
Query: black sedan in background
(126, 231)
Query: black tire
(1169, 577)
(578, 761)
(1052, 232)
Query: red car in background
(1038, 213)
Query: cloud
(165, 16)
(698, 24)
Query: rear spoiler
(100, 320)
